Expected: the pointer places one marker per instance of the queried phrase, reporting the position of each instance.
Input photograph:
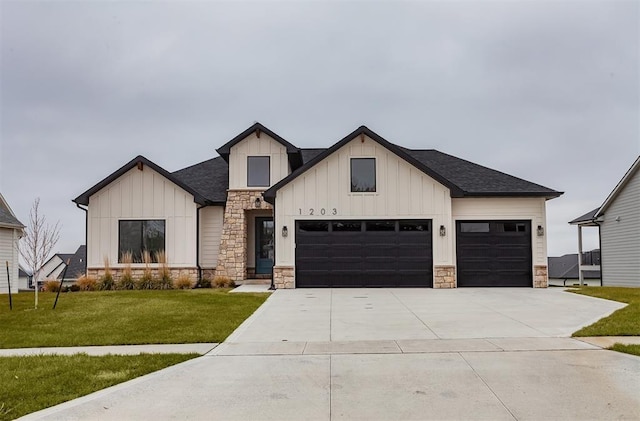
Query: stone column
(444, 277)
(540, 276)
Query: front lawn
(624, 322)
(124, 317)
(29, 384)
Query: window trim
(375, 174)
(142, 249)
(268, 170)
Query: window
(363, 174)
(414, 226)
(514, 227)
(313, 226)
(136, 237)
(380, 225)
(258, 171)
(343, 226)
(474, 227)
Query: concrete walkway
(391, 354)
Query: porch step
(254, 282)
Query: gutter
(198, 243)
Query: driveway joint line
(487, 385)
(414, 314)
(330, 385)
(515, 320)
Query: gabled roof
(587, 217)
(625, 179)
(7, 217)
(83, 199)
(210, 178)
(462, 178)
(293, 152)
(566, 267)
(77, 264)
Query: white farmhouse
(11, 230)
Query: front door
(264, 245)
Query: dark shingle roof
(587, 217)
(6, 216)
(78, 264)
(310, 153)
(209, 178)
(566, 267)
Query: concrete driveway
(388, 354)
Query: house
(25, 280)
(11, 230)
(563, 270)
(54, 268)
(618, 222)
(362, 213)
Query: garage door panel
(379, 255)
(498, 253)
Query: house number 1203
(322, 211)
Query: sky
(545, 91)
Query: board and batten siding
(497, 208)
(254, 146)
(620, 237)
(8, 253)
(211, 219)
(141, 195)
(402, 192)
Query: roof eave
(225, 149)
(614, 193)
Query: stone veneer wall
(540, 276)
(283, 276)
(444, 277)
(137, 272)
(232, 257)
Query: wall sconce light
(285, 231)
(540, 231)
(257, 202)
(443, 231)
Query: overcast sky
(546, 91)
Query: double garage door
(364, 253)
(388, 253)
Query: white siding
(8, 253)
(50, 270)
(142, 195)
(533, 209)
(620, 237)
(402, 192)
(254, 146)
(211, 219)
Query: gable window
(258, 171)
(138, 236)
(363, 174)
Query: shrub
(204, 283)
(51, 285)
(223, 282)
(87, 283)
(146, 281)
(183, 282)
(106, 281)
(74, 288)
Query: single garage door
(349, 254)
(494, 254)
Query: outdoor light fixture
(443, 231)
(540, 230)
(285, 231)
(257, 202)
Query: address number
(322, 211)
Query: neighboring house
(362, 213)
(25, 280)
(54, 268)
(11, 230)
(618, 219)
(563, 270)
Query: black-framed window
(138, 236)
(258, 171)
(474, 227)
(363, 174)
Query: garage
(363, 253)
(494, 254)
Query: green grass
(124, 317)
(624, 322)
(28, 384)
(627, 349)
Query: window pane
(474, 227)
(381, 225)
(347, 226)
(153, 238)
(258, 171)
(363, 174)
(310, 226)
(414, 226)
(130, 240)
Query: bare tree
(38, 242)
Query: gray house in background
(618, 220)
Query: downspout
(198, 243)
(599, 246)
(275, 247)
(86, 235)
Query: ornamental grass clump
(146, 281)
(51, 285)
(223, 282)
(106, 281)
(126, 280)
(183, 282)
(165, 281)
(87, 283)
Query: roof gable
(619, 187)
(293, 152)
(83, 199)
(7, 217)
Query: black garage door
(494, 254)
(363, 254)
